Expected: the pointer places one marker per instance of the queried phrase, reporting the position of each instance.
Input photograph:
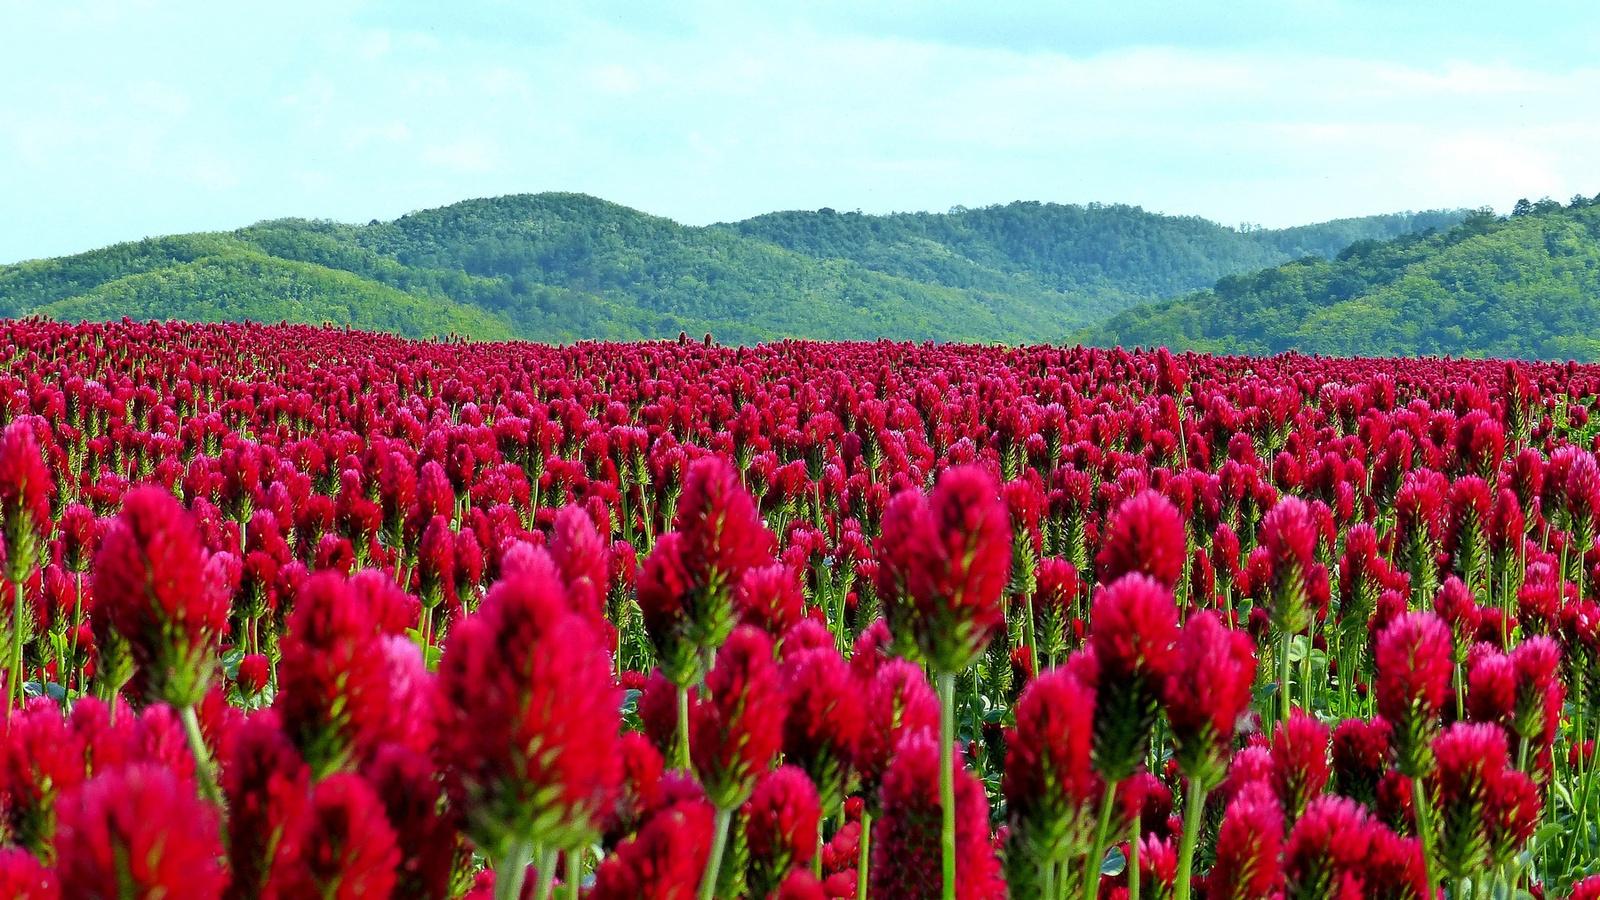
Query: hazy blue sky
(125, 119)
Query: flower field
(295, 613)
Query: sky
(120, 120)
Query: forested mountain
(569, 266)
(1526, 285)
(1096, 249)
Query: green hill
(1526, 285)
(568, 266)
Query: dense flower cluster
(291, 612)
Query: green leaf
(1114, 863)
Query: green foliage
(1525, 286)
(239, 285)
(1113, 253)
(565, 266)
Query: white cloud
(715, 112)
(468, 155)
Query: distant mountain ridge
(1525, 285)
(560, 267)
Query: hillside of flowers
(306, 613)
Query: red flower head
(1053, 605)
(1414, 669)
(679, 615)
(1393, 868)
(1360, 757)
(1396, 806)
(1253, 763)
(1583, 495)
(79, 531)
(25, 488)
(943, 564)
(426, 833)
(436, 563)
(1024, 499)
(268, 790)
(1299, 761)
(1247, 866)
(1492, 689)
(1326, 849)
(584, 559)
(802, 885)
(335, 692)
(781, 822)
(1471, 759)
(1539, 602)
(1206, 693)
(435, 495)
(810, 634)
(665, 861)
(1051, 789)
(1134, 632)
(23, 878)
(906, 845)
(41, 759)
(139, 832)
(871, 650)
(658, 710)
(734, 734)
(254, 671)
(825, 721)
(899, 702)
(1455, 605)
(1513, 809)
(512, 673)
(1536, 663)
(1145, 801)
(1361, 573)
(1146, 535)
(723, 534)
(639, 794)
(1289, 535)
(150, 582)
(769, 598)
(1587, 889)
(349, 848)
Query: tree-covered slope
(1527, 285)
(1118, 250)
(215, 278)
(566, 266)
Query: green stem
(1458, 681)
(1193, 811)
(545, 886)
(1586, 780)
(864, 856)
(511, 871)
(14, 676)
(202, 759)
(708, 881)
(1097, 851)
(683, 760)
(423, 627)
(1283, 674)
(1132, 867)
(1305, 669)
(1419, 800)
(1033, 640)
(574, 883)
(947, 781)
(77, 620)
